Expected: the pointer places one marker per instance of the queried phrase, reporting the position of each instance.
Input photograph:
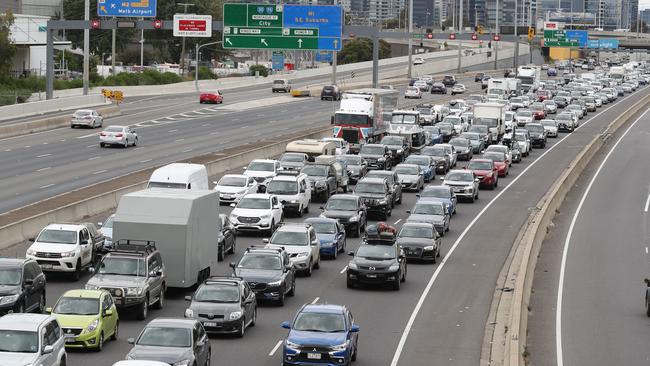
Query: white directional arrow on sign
(228, 41)
(264, 42)
(336, 43)
(299, 42)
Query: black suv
(268, 271)
(398, 145)
(378, 156)
(331, 92)
(376, 195)
(349, 210)
(377, 262)
(223, 305)
(537, 134)
(438, 88)
(22, 286)
(322, 178)
(393, 182)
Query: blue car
(435, 134)
(321, 335)
(441, 193)
(331, 235)
(426, 163)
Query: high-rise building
(379, 10)
(48, 8)
(645, 16)
(424, 14)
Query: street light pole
(182, 63)
(460, 32)
(516, 58)
(497, 15)
(86, 64)
(410, 68)
(196, 67)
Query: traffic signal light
(429, 35)
(480, 29)
(531, 33)
(489, 44)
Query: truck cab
(407, 123)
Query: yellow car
(87, 318)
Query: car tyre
(207, 359)
(220, 253)
(41, 303)
(135, 143)
(301, 210)
(349, 284)
(336, 254)
(144, 309)
(292, 290)
(116, 331)
(242, 328)
(307, 272)
(647, 307)
(253, 321)
(280, 301)
(101, 144)
(161, 298)
(317, 264)
(126, 143)
(100, 343)
(397, 284)
(77, 271)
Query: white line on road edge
(398, 221)
(44, 155)
(646, 250)
(186, 151)
(88, 135)
(100, 171)
(94, 157)
(43, 169)
(145, 161)
(315, 300)
(93, 145)
(436, 273)
(277, 345)
(344, 269)
(173, 130)
(567, 242)
(46, 186)
(647, 201)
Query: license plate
(313, 356)
(69, 339)
(210, 324)
(371, 276)
(47, 266)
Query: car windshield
(17, 341)
(563, 117)
(487, 122)
(282, 187)
(417, 160)
(376, 252)
(365, 187)
(436, 191)
(293, 158)
(166, 337)
(548, 123)
(471, 136)
(232, 181)
(324, 227)
(404, 118)
(319, 322)
(452, 119)
(446, 127)
(57, 236)
(479, 165)
(372, 150)
(122, 266)
(494, 156)
(434, 151)
(548, 102)
(534, 128)
(424, 111)
(82, 113)
(407, 170)
(278, 82)
(255, 261)
(411, 231)
(341, 204)
(392, 140)
(479, 129)
(254, 203)
(77, 306)
(10, 276)
(350, 159)
(459, 176)
(428, 209)
(458, 142)
(524, 114)
(520, 137)
(412, 89)
(315, 170)
(219, 293)
(516, 100)
(114, 129)
(261, 166)
(284, 237)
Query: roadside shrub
(261, 68)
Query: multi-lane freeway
(440, 315)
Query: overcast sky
(644, 4)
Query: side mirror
(408, 211)
(32, 239)
(233, 265)
(159, 273)
(84, 242)
(285, 325)
(354, 328)
(47, 350)
(442, 178)
(108, 312)
(476, 180)
(48, 310)
(322, 208)
(188, 298)
(200, 343)
(100, 224)
(288, 267)
(28, 282)
(130, 340)
(244, 168)
(265, 241)
(91, 269)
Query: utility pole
(196, 69)
(516, 58)
(409, 74)
(530, 24)
(335, 54)
(142, 48)
(460, 32)
(182, 63)
(86, 79)
(497, 15)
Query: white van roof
(310, 146)
(176, 171)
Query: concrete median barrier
(48, 106)
(507, 343)
(25, 128)
(19, 225)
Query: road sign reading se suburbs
(268, 26)
(127, 8)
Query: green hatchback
(87, 318)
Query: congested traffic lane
(603, 226)
(44, 165)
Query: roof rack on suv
(304, 224)
(140, 247)
(288, 172)
(259, 247)
(215, 279)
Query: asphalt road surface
(603, 226)
(439, 316)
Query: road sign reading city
(295, 27)
(127, 8)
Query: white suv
(63, 248)
(301, 243)
(257, 212)
(31, 339)
(293, 190)
(262, 170)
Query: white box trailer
(184, 225)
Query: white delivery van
(180, 176)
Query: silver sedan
(118, 135)
(86, 117)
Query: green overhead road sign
(558, 38)
(554, 34)
(269, 26)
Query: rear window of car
(114, 129)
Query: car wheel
(135, 143)
(647, 307)
(336, 254)
(100, 343)
(357, 231)
(280, 301)
(309, 270)
(317, 264)
(126, 143)
(301, 210)
(349, 284)
(220, 254)
(101, 144)
(77, 271)
(161, 298)
(253, 321)
(242, 328)
(345, 244)
(404, 274)
(144, 309)
(41, 303)
(272, 228)
(63, 361)
(292, 291)
(207, 359)
(397, 284)
(116, 331)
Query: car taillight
(118, 135)
(102, 134)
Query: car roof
(263, 160)
(23, 321)
(345, 196)
(323, 308)
(294, 227)
(12, 262)
(235, 176)
(90, 294)
(173, 323)
(258, 195)
(320, 219)
(68, 227)
(429, 201)
(417, 224)
(372, 180)
(289, 178)
(223, 279)
(380, 172)
(407, 165)
(481, 160)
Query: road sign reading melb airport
(294, 27)
(127, 8)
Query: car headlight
(233, 217)
(393, 267)
(354, 218)
(383, 202)
(235, 315)
(69, 254)
(92, 326)
(428, 247)
(400, 151)
(134, 291)
(352, 265)
(8, 299)
(275, 283)
(189, 313)
(341, 347)
(320, 183)
(91, 287)
(326, 243)
(31, 252)
(302, 255)
(292, 345)
(182, 363)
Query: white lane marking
(398, 221)
(27, 147)
(88, 135)
(283, 111)
(646, 250)
(100, 171)
(315, 300)
(43, 169)
(93, 145)
(145, 161)
(186, 151)
(7, 150)
(277, 345)
(647, 202)
(242, 127)
(46, 186)
(179, 140)
(205, 125)
(344, 269)
(94, 157)
(567, 242)
(138, 148)
(235, 119)
(46, 143)
(172, 130)
(44, 155)
(214, 133)
(62, 140)
(436, 273)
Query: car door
(30, 292)
(200, 344)
(39, 280)
(86, 246)
(353, 336)
(228, 234)
(248, 301)
(340, 235)
(276, 209)
(251, 185)
(50, 336)
(155, 281)
(109, 320)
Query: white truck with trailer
(182, 223)
(493, 116)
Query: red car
(538, 110)
(211, 97)
(500, 161)
(486, 171)
(542, 95)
